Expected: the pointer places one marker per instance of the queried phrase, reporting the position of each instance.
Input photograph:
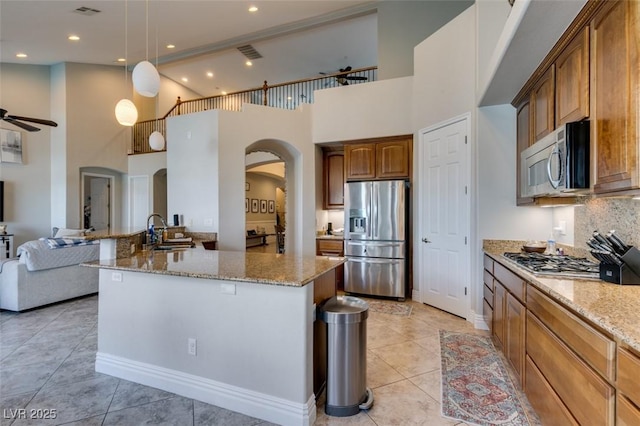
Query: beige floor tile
(379, 373)
(379, 335)
(409, 358)
(403, 403)
(430, 383)
(360, 419)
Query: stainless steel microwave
(557, 164)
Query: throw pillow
(67, 232)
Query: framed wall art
(10, 146)
(272, 206)
(255, 208)
(263, 206)
(246, 205)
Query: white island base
(253, 342)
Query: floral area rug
(476, 387)
(389, 307)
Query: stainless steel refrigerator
(375, 238)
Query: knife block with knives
(619, 262)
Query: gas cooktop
(553, 265)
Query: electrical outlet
(133, 248)
(228, 288)
(191, 346)
(116, 276)
(208, 222)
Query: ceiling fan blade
(33, 120)
(24, 126)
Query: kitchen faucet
(151, 238)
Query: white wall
(404, 24)
(193, 171)
(24, 91)
(376, 109)
(151, 108)
(146, 165)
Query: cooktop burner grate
(546, 264)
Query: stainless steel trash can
(346, 319)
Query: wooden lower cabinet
(515, 313)
(589, 398)
(499, 299)
(572, 371)
(326, 247)
(543, 398)
(627, 411)
(627, 414)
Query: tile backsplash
(605, 214)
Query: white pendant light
(146, 80)
(156, 141)
(126, 112)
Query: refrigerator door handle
(373, 260)
(375, 194)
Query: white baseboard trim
(245, 401)
(415, 296)
(480, 322)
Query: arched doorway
(292, 195)
(265, 200)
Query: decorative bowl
(535, 246)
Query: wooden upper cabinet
(614, 68)
(393, 159)
(386, 159)
(543, 105)
(333, 172)
(360, 161)
(572, 80)
(524, 140)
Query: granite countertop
(615, 308)
(330, 237)
(262, 268)
(114, 233)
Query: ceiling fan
(16, 120)
(343, 77)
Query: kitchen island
(232, 329)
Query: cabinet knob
(426, 240)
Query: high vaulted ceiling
(297, 39)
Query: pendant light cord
(147, 24)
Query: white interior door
(443, 228)
(100, 203)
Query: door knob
(425, 240)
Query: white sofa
(42, 275)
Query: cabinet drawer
(543, 398)
(509, 280)
(591, 345)
(627, 414)
(487, 313)
(488, 295)
(329, 247)
(488, 264)
(488, 280)
(588, 397)
(628, 373)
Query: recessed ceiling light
(248, 63)
(21, 55)
(223, 92)
(73, 37)
(171, 46)
(253, 9)
(210, 74)
(185, 79)
(122, 60)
